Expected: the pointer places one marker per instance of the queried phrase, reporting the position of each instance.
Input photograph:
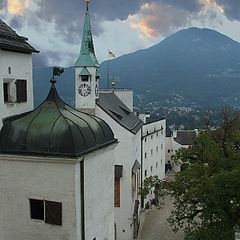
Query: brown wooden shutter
(21, 88)
(117, 192)
(53, 212)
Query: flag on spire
(111, 54)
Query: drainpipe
(82, 199)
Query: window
(9, 70)
(151, 168)
(48, 211)
(9, 91)
(117, 192)
(151, 136)
(84, 78)
(157, 149)
(156, 164)
(157, 134)
(37, 209)
(168, 150)
(21, 90)
(145, 173)
(161, 146)
(14, 91)
(145, 155)
(151, 152)
(145, 139)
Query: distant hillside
(199, 66)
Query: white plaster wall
(154, 151)
(169, 149)
(99, 195)
(21, 68)
(28, 178)
(87, 102)
(124, 155)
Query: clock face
(84, 89)
(96, 90)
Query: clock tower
(86, 71)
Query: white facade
(171, 148)
(86, 92)
(153, 154)
(127, 152)
(57, 179)
(14, 66)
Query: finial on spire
(87, 3)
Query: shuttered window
(53, 212)
(21, 90)
(48, 211)
(37, 209)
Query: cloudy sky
(55, 26)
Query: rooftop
(54, 128)
(11, 41)
(114, 107)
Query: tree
(206, 195)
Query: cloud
(68, 15)
(231, 8)
(159, 19)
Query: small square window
(84, 78)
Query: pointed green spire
(87, 54)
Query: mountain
(193, 66)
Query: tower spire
(87, 3)
(87, 55)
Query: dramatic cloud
(68, 15)
(62, 20)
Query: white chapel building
(57, 174)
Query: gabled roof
(85, 72)
(11, 41)
(185, 137)
(115, 108)
(87, 54)
(54, 128)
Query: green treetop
(206, 194)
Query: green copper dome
(87, 54)
(54, 128)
